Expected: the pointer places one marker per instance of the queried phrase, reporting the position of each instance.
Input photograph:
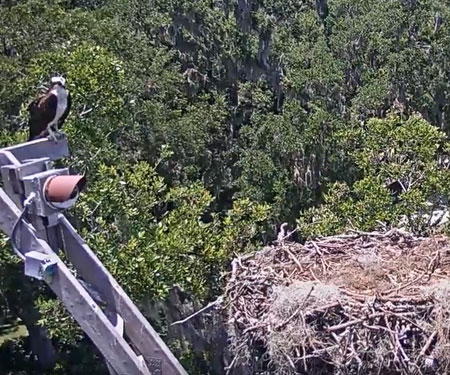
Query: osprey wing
(42, 112)
(34, 122)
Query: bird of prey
(49, 111)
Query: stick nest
(358, 303)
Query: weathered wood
(76, 299)
(12, 171)
(95, 324)
(49, 232)
(39, 148)
(7, 157)
(137, 328)
(8, 162)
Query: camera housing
(55, 190)
(62, 191)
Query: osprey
(49, 111)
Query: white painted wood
(76, 299)
(137, 328)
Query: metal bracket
(39, 265)
(119, 330)
(35, 183)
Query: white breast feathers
(61, 94)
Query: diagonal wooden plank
(39, 148)
(76, 299)
(137, 328)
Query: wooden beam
(75, 298)
(137, 328)
(39, 148)
(7, 157)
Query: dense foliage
(203, 125)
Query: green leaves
(392, 152)
(393, 149)
(57, 322)
(202, 125)
(148, 246)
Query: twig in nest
(324, 308)
(433, 262)
(338, 327)
(316, 247)
(344, 325)
(400, 348)
(390, 291)
(290, 361)
(282, 324)
(207, 307)
(372, 308)
(252, 328)
(235, 358)
(428, 344)
(313, 275)
(294, 258)
(85, 112)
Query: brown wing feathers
(42, 111)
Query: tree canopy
(203, 125)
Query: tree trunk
(41, 345)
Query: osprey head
(58, 80)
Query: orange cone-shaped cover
(64, 187)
